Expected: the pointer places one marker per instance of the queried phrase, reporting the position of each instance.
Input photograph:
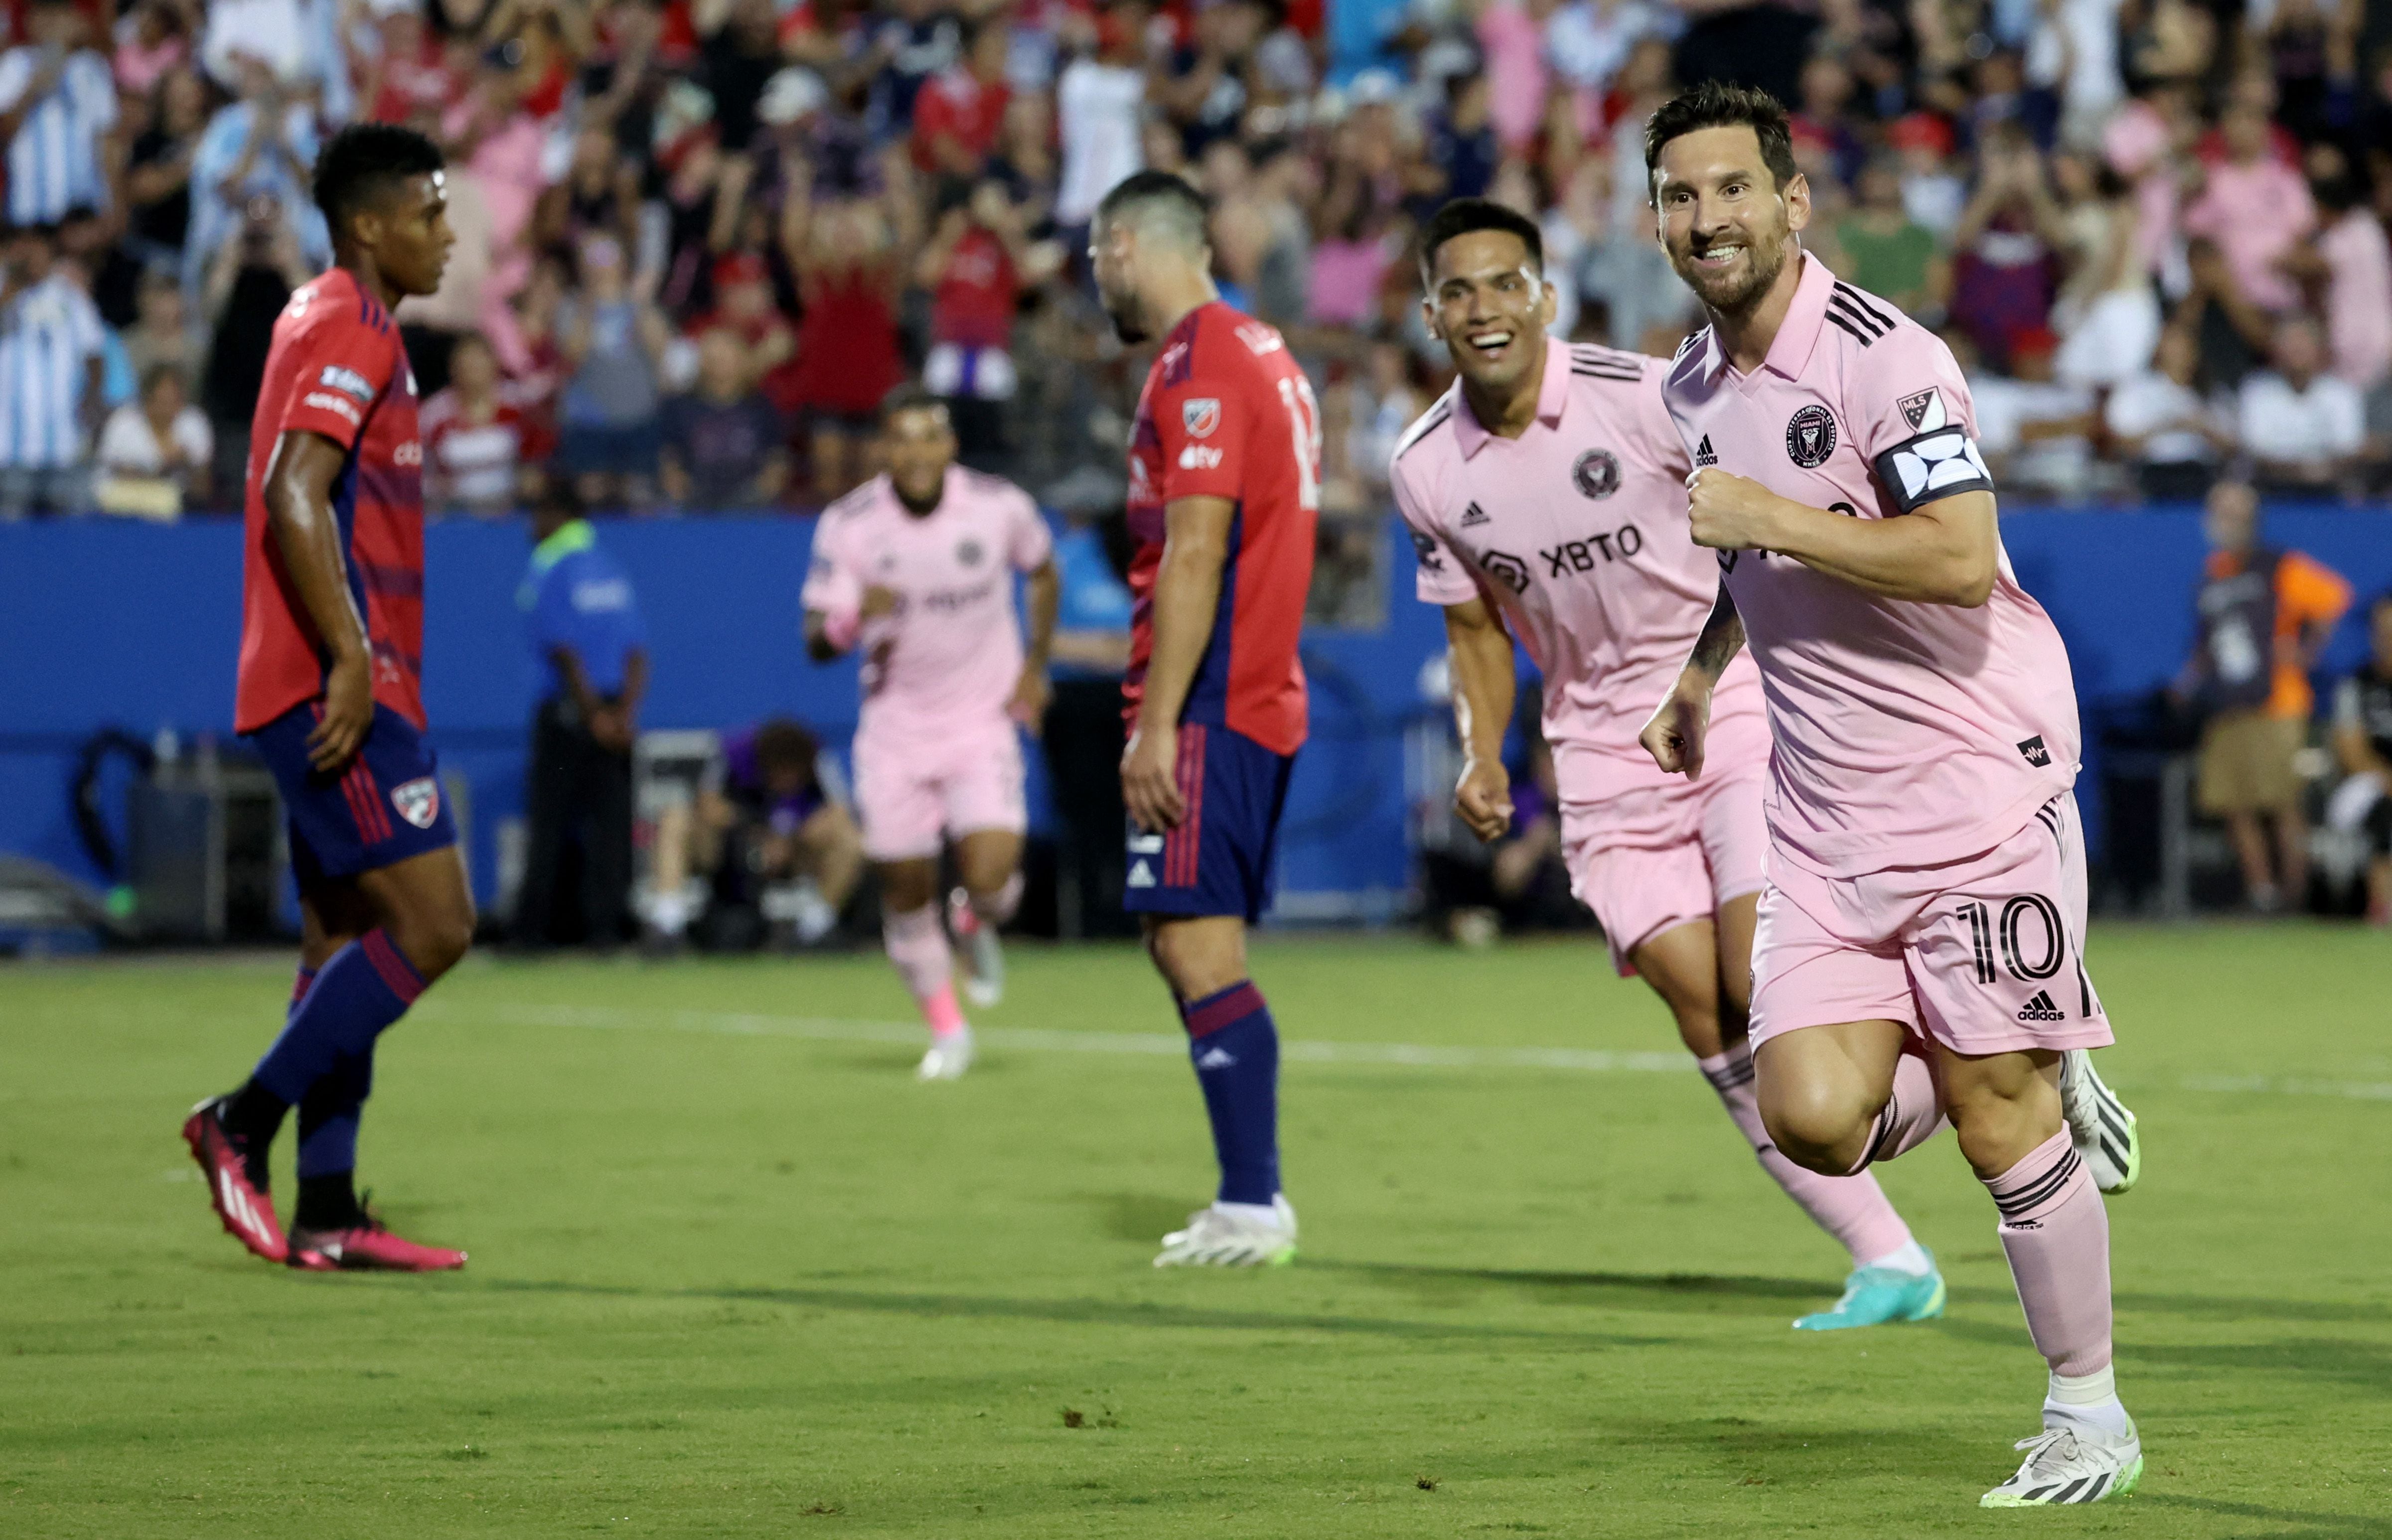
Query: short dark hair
(1161, 195)
(558, 495)
(363, 161)
(911, 396)
(784, 744)
(1718, 104)
(1467, 215)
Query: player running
(1224, 494)
(915, 568)
(331, 652)
(1545, 495)
(1920, 952)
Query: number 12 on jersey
(1304, 422)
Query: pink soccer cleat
(367, 1245)
(247, 1213)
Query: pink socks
(917, 945)
(2057, 1236)
(1912, 1114)
(1853, 1208)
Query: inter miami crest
(1811, 437)
(969, 552)
(418, 801)
(1506, 569)
(1596, 474)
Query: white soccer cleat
(948, 1059)
(983, 954)
(1233, 1235)
(2099, 1124)
(2071, 1463)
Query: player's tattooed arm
(1941, 552)
(1187, 592)
(1673, 734)
(1479, 652)
(1032, 691)
(307, 534)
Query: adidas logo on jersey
(1142, 875)
(2042, 1009)
(1703, 454)
(1217, 1058)
(1473, 515)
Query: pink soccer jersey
(1576, 532)
(1905, 734)
(949, 655)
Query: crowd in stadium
(698, 240)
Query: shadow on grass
(1083, 1312)
(1139, 1216)
(1663, 1284)
(2365, 1365)
(2337, 1524)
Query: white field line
(1171, 1045)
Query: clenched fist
(1729, 513)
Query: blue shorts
(1219, 859)
(384, 807)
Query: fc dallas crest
(418, 801)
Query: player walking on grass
(1920, 948)
(915, 568)
(1224, 497)
(1544, 494)
(330, 693)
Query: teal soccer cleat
(1874, 1296)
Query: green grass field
(736, 1273)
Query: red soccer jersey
(1226, 413)
(336, 368)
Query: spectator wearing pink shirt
(1512, 35)
(2257, 209)
(2351, 262)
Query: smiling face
(1490, 307)
(919, 445)
(1726, 224)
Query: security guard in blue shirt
(591, 650)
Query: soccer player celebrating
(915, 568)
(1224, 497)
(330, 693)
(1544, 494)
(1919, 947)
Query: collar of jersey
(574, 538)
(1797, 334)
(1553, 399)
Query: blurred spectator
(249, 282)
(57, 102)
(611, 338)
(155, 454)
(959, 110)
(2036, 432)
(50, 345)
(771, 820)
(847, 339)
(1932, 191)
(1082, 734)
(2008, 240)
(1461, 148)
(158, 172)
(2299, 425)
(2158, 421)
(2232, 336)
(2256, 209)
(721, 444)
(1097, 107)
(473, 438)
(591, 651)
(2350, 264)
(260, 147)
(2265, 616)
(2107, 312)
(975, 267)
(2362, 742)
(741, 52)
(744, 309)
(1879, 247)
(164, 335)
(151, 41)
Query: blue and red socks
(1235, 1048)
(329, 1036)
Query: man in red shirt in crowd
(331, 655)
(1224, 497)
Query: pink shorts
(1984, 956)
(912, 793)
(1712, 836)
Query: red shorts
(1712, 836)
(1983, 956)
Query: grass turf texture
(731, 1282)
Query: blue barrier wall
(107, 624)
